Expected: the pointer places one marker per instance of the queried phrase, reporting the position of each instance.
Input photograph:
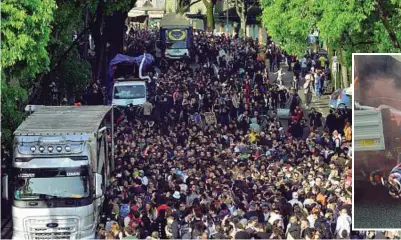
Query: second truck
(176, 37)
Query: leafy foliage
(11, 116)
(348, 26)
(184, 5)
(25, 34)
(74, 75)
(289, 22)
(67, 19)
(118, 5)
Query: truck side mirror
(158, 44)
(98, 185)
(4, 187)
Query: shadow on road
(375, 208)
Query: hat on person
(176, 195)
(294, 195)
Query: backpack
(124, 210)
(134, 222)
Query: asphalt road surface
(375, 208)
(6, 221)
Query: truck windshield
(177, 45)
(53, 183)
(129, 92)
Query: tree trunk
(210, 17)
(344, 68)
(243, 27)
(98, 38)
(115, 32)
(344, 76)
(100, 49)
(384, 19)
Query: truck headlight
(68, 148)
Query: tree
(68, 18)
(12, 96)
(99, 11)
(25, 34)
(209, 4)
(289, 22)
(242, 8)
(345, 26)
(184, 5)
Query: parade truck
(176, 38)
(377, 145)
(127, 81)
(59, 170)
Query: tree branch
(36, 89)
(384, 19)
(184, 9)
(65, 54)
(237, 8)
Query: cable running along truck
(59, 170)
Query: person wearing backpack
(124, 210)
(133, 219)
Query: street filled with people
(223, 150)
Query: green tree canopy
(26, 28)
(25, 34)
(347, 26)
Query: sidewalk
(321, 104)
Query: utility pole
(112, 138)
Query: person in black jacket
(315, 119)
(331, 121)
(293, 228)
(160, 225)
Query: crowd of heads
(217, 159)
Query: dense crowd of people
(215, 156)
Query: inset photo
(377, 141)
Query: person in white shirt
(144, 179)
(343, 223)
(295, 200)
(275, 215)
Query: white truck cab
(59, 171)
(129, 92)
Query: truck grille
(66, 229)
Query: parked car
(340, 99)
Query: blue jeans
(317, 90)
